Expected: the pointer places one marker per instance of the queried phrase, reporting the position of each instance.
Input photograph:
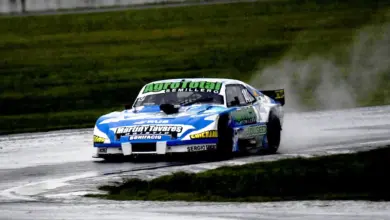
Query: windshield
(179, 98)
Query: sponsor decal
(253, 131)
(151, 122)
(145, 137)
(204, 147)
(148, 129)
(97, 139)
(184, 86)
(279, 94)
(205, 134)
(245, 116)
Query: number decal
(247, 96)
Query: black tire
(273, 133)
(225, 137)
(112, 158)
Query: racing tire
(112, 158)
(273, 133)
(225, 137)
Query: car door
(238, 97)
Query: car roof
(222, 80)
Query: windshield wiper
(202, 99)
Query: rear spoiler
(277, 95)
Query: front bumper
(156, 148)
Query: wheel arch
(276, 110)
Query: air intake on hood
(169, 108)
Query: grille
(143, 147)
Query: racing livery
(193, 115)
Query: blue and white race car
(193, 115)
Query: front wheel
(225, 137)
(273, 133)
(113, 158)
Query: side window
(234, 95)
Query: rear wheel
(225, 137)
(273, 133)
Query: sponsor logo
(148, 129)
(205, 147)
(245, 116)
(97, 139)
(279, 94)
(254, 131)
(205, 134)
(185, 86)
(151, 122)
(145, 137)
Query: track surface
(44, 174)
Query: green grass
(358, 176)
(58, 64)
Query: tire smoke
(326, 82)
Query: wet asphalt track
(43, 175)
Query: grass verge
(57, 64)
(358, 176)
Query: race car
(193, 115)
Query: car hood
(189, 117)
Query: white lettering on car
(149, 129)
(205, 147)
